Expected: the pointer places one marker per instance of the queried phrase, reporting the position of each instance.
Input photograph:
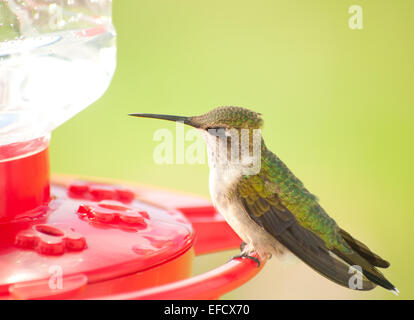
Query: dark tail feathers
(367, 260)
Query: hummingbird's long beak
(185, 120)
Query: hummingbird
(269, 207)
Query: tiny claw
(242, 246)
(245, 255)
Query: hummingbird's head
(228, 118)
(220, 118)
(232, 134)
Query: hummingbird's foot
(242, 246)
(245, 255)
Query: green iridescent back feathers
(278, 186)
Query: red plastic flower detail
(114, 213)
(99, 192)
(50, 239)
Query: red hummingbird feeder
(65, 238)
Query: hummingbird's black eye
(216, 129)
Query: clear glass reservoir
(56, 58)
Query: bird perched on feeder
(269, 208)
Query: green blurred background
(337, 104)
